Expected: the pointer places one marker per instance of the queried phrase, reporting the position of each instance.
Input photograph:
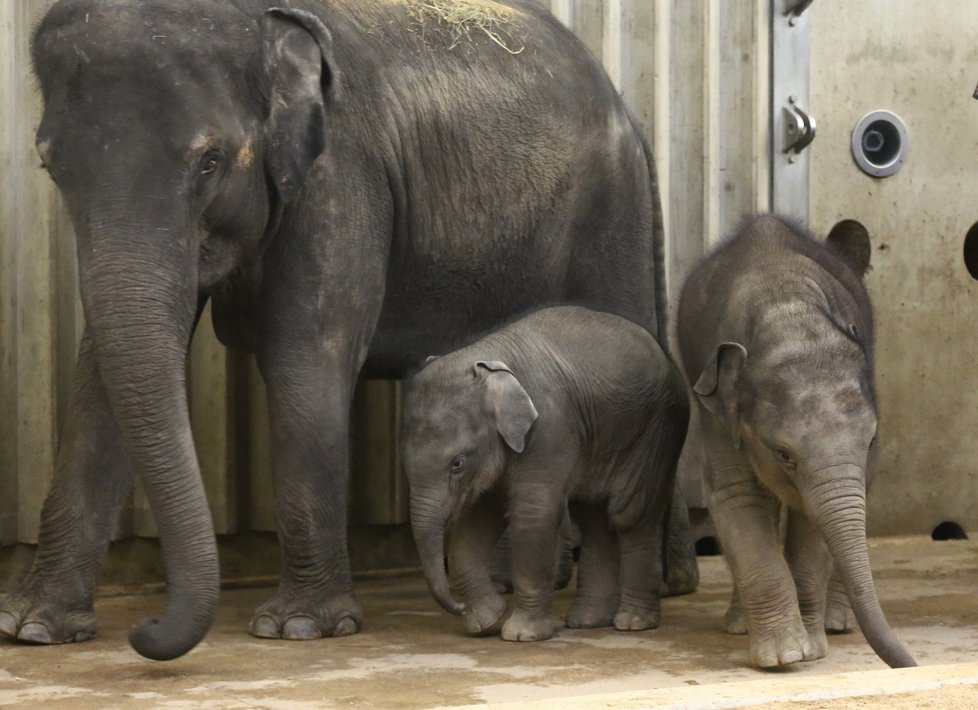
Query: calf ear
(716, 387)
(297, 68)
(514, 409)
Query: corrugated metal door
(694, 72)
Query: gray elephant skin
(566, 405)
(352, 185)
(776, 336)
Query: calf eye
(457, 465)
(785, 458)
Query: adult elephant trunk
(139, 290)
(836, 501)
(428, 521)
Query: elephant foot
(735, 621)
(33, 618)
(682, 577)
(819, 644)
(630, 620)
(483, 616)
(839, 618)
(521, 626)
(781, 647)
(589, 614)
(287, 616)
(502, 587)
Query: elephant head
(806, 419)
(174, 130)
(461, 424)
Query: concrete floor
(412, 655)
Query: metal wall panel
(694, 73)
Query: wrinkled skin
(566, 405)
(352, 189)
(776, 338)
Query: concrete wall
(919, 60)
(695, 73)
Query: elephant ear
(513, 407)
(297, 68)
(716, 387)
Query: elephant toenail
(264, 627)
(791, 657)
(35, 632)
(345, 627)
(84, 636)
(300, 628)
(8, 624)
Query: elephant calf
(776, 335)
(564, 405)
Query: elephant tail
(658, 239)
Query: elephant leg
(641, 569)
(534, 520)
(682, 574)
(734, 620)
(499, 565)
(597, 594)
(747, 518)
(92, 479)
(309, 415)
(839, 617)
(471, 542)
(501, 578)
(322, 291)
(748, 522)
(810, 563)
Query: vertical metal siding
(694, 73)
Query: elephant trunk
(140, 296)
(428, 521)
(836, 502)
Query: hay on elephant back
(464, 16)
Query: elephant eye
(785, 457)
(209, 166)
(210, 163)
(457, 465)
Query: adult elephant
(355, 186)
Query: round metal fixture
(880, 143)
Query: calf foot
(590, 614)
(839, 618)
(294, 617)
(32, 616)
(781, 646)
(636, 619)
(482, 616)
(819, 644)
(522, 626)
(735, 621)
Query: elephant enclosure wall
(695, 72)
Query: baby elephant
(776, 337)
(564, 405)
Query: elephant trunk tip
(900, 658)
(450, 605)
(165, 640)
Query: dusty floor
(412, 655)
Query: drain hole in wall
(971, 251)
(948, 530)
(707, 547)
(851, 239)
